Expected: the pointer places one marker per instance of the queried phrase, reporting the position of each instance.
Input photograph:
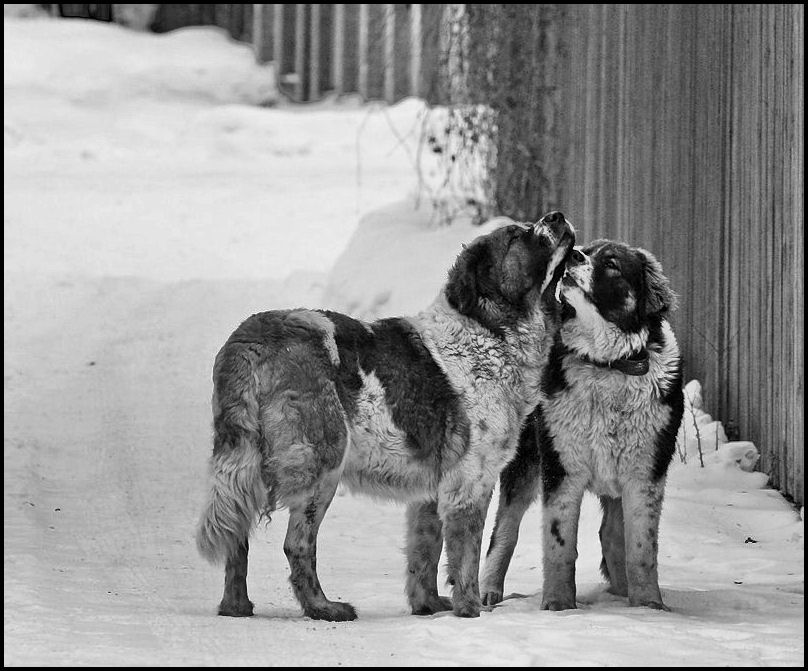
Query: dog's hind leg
(613, 544)
(642, 506)
(235, 602)
(300, 547)
(424, 545)
(518, 488)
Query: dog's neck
(516, 357)
(637, 363)
(608, 346)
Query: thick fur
(425, 410)
(598, 428)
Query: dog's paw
(434, 604)
(236, 608)
(332, 611)
(557, 604)
(492, 597)
(467, 607)
(649, 603)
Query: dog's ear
(462, 290)
(660, 298)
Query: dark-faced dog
(613, 405)
(426, 410)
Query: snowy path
(112, 576)
(130, 254)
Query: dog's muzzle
(555, 226)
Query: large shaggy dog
(427, 410)
(613, 404)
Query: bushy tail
(238, 493)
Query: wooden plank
(260, 38)
(389, 62)
(300, 52)
(338, 60)
(795, 411)
(376, 56)
(415, 50)
(314, 52)
(277, 40)
(362, 51)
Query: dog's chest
(604, 426)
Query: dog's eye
(611, 264)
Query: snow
(154, 197)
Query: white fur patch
(589, 333)
(380, 462)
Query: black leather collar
(634, 364)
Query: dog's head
(500, 277)
(617, 283)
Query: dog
(425, 410)
(612, 408)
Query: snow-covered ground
(152, 200)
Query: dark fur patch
(522, 471)
(420, 398)
(656, 337)
(556, 533)
(552, 470)
(617, 275)
(352, 338)
(665, 445)
(554, 380)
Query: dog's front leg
(463, 523)
(424, 545)
(642, 506)
(562, 508)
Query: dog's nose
(552, 218)
(576, 258)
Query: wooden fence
(382, 51)
(379, 51)
(684, 134)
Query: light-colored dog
(426, 410)
(613, 405)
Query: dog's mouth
(567, 282)
(561, 234)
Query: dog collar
(635, 364)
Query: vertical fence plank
(277, 40)
(259, 38)
(314, 52)
(362, 49)
(389, 53)
(300, 51)
(338, 64)
(796, 251)
(415, 50)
